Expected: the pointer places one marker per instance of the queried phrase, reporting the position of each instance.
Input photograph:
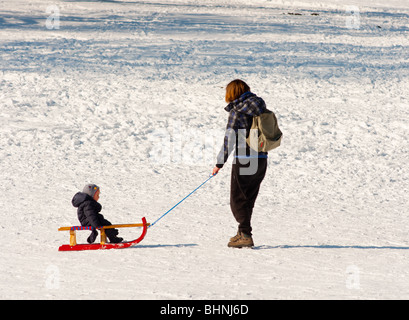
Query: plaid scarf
(241, 113)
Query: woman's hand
(215, 170)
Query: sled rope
(152, 224)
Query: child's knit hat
(90, 189)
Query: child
(88, 213)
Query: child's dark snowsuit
(88, 215)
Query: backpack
(265, 134)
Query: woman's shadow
(266, 247)
(184, 245)
(330, 246)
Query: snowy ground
(129, 95)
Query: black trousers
(244, 190)
(110, 233)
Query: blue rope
(152, 224)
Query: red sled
(103, 245)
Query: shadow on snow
(329, 246)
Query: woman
(245, 183)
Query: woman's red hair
(235, 89)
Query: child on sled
(89, 213)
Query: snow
(130, 95)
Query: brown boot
(241, 240)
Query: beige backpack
(265, 134)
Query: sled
(103, 245)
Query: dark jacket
(88, 210)
(241, 113)
(89, 215)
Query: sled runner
(103, 245)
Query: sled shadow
(165, 245)
(263, 247)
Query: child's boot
(112, 235)
(92, 236)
